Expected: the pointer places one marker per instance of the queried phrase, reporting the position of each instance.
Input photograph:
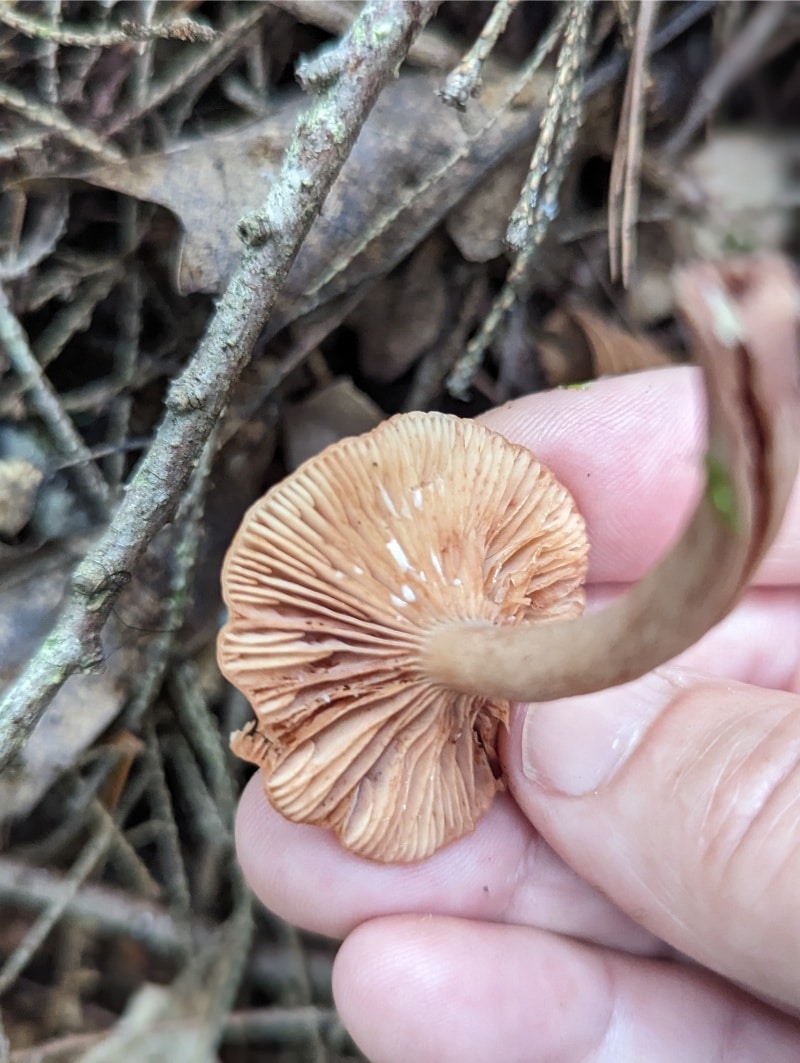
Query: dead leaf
(327, 416)
(404, 315)
(209, 184)
(407, 139)
(87, 704)
(578, 345)
(478, 225)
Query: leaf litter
(128, 156)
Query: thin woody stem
(375, 46)
(743, 321)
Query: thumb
(678, 796)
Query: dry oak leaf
(334, 581)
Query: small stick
(44, 399)
(464, 82)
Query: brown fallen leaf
(329, 415)
(577, 344)
(404, 315)
(83, 708)
(427, 163)
(478, 224)
(30, 597)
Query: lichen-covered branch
(374, 47)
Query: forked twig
(626, 165)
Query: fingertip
(637, 437)
(304, 875)
(438, 989)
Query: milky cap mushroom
(386, 601)
(334, 583)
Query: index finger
(630, 449)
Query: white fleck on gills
(387, 500)
(399, 554)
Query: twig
(167, 838)
(76, 316)
(130, 324)
(288, 1024)
(212, 854)
(45, 401)
(626, 165)
(738, 58)
(234, 38)
(381, 224)
(203, 735)
(216, 60)
(626, 17)
(606, 74)
(234, 948)
(465, 81)
(531, 217)
(127, 348)
(81, 869)
(183, 555)
(48, 55)
(110, 912)
(538, 204)
(257, 1025)
(379, 40)
(460, 380)
(430, 50)
(181, 29)
(56, 121)
(42, 233)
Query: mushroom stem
(743, 320)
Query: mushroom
(335, 581)
(387, 600)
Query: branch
(372, 52)
(743, 319)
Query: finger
(758, 643)
(679, 797)
(501, 872)
(450, 990)
(630, 449)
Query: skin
(634, 896)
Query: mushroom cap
(333, 581)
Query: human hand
(650, 863)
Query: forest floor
(159, 370)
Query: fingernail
(575, 746)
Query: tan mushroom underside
(332, 582)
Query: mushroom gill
(333, 582)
